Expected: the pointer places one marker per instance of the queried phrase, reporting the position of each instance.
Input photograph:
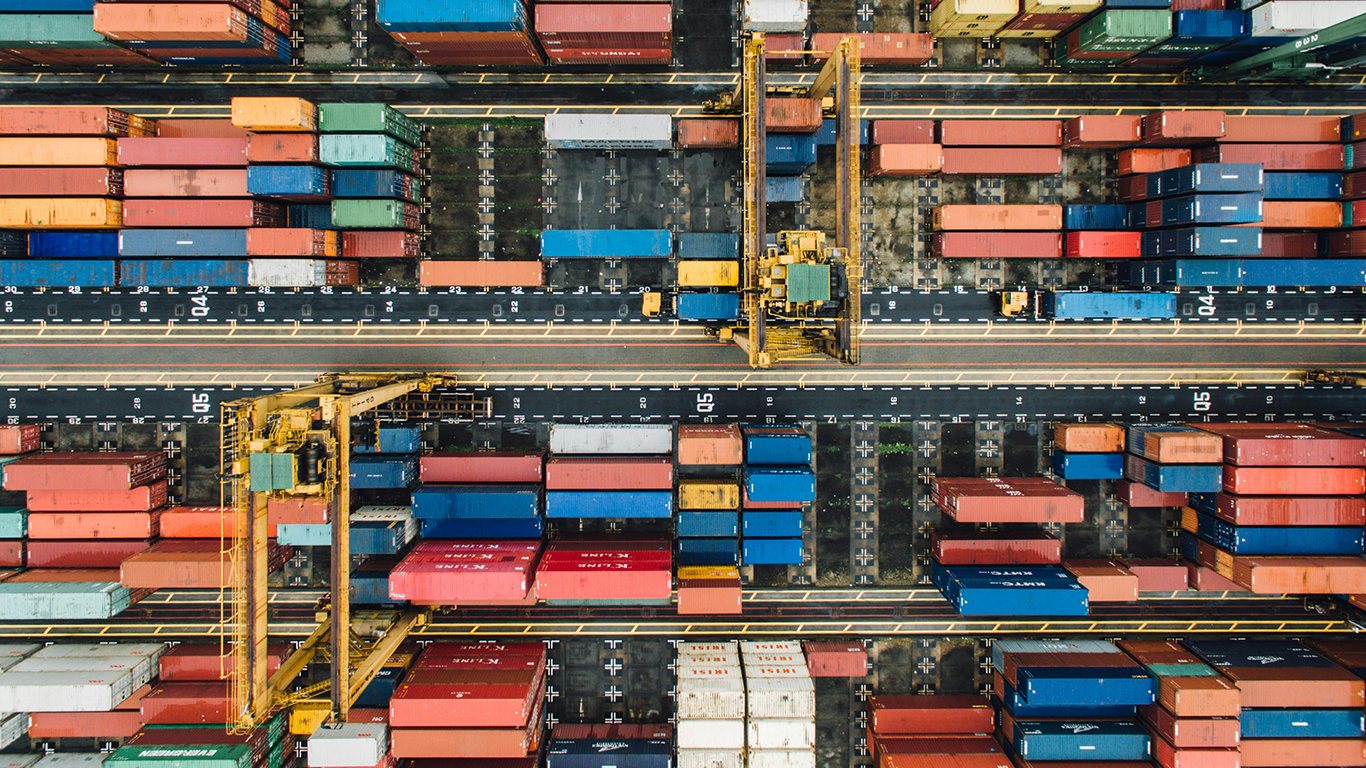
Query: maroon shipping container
(1277, 157)
(619, 33)
(1291, 245)
(1281, 129)
(902, 132)
(1159, 575)
(11, 553)
(1140, 495)
(612, 474)
(746, 503)
(1294, 481)
(1199, 5)
(1208, 732)
(1132, 189)
(386, 244)
(792, 115)
(205, 662)
(997, 245)
(1205, 579)
(836, 659)
(995, 548)
(1041, 22)
(1104, 245)
(179, 212)
(712, 133)
(20, 438)
(1006, 500)
(84, 471)
(481, 467)
(785, 47)
(1273, 446)
(186, 704)
(461, 648)
(83, 553)
(184, 153)
(1354, 184)
(1000, 133)
(1002, 161)
(930, 715)
(1185, 128)
(1102, 131)
(140, 499)
(61, 182)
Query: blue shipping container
(206, 243)
(606, 244)
(707, 306)
(1090, 741)
(73, 245)
(287, 181)
(795, 485)
(1097, 217)
(700, 551)
(1279, 540)
(310, 217)
(789, 154)
(692, 523)
(1012, 590)
(609, 504)
(379, 470)
(467, 502)
(1086, 686)
(1179, 478)
(371, 182)
(1243, 208)
(1088, 466)
(825, 135)
(706, 245)
(1203, 241)
(1301, 724)
(426, 16)
(188, 273)
(1257, 653)
(370, 581)
(482, 528)
(47, 6)
(1208, 26)
(1303, 186)
(772, 524)
(760, 448)
(1018, 707)
(381, 687)
(1100, 305)
(784, 189)
(393, 440)
(610, 753)
(1136, 216)
(84, 273)
(1206, 177)
(772, 552)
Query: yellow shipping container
(708, 572)
(272, 113)
(705, 494)
(43, 150)
(1035, 34)
(60, 213)
(708, 274)
(1061, 6)
(971, 18)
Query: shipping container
(702, 245)
(1206, 177)
(60, 213)
(998, 217)
(707, 306)
(902, 132)
(365, 149)
(374, 214)
(1106, 581)
(112, 470)
(772, 552)
(1140, 495)
(1095, 217)
(905, 159)
(1011, 591)
(1281, 129)
(372, 117)
(183, 152)
(58, 182)
(277, 241)
(708, 494)
(792, 115)
(282, 148)
(907, 49)
(204, 212)
(274, 114)
(599, 131)
(1278, 157)
(611, 439)
(608, 504)
(1104, 245)
(185, 182)
(205, 243)
(71, 121)
(709, 445)
(772, 524)
(997, 245)
(1088, 466)
(574, 33)
(1203, 241)
(1293, 481)
(780, 484)
(1282, 510)
(289, 181)
(710, 133)
(1102, 131)
(1016, 500)
(789, 155)
(693, 524)
(591, 473)
(70, 272)
(481, 467)
(1191, 127)
(775, 15)
(1152, 160)
(995, 548)
(1301, 724)
(708, 274)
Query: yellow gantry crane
(297, 445)
(800, 297)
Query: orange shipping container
(118, 724)
(910, 49)
(485, 743)
(708, 596)
(1152, 160)
(185, 182)
(277, 241)
(1299, 214)
(297, 511)
(905, 159)
(1295, 481)
(60, 213)
(998, 217)
(20, 438)
(1106, 581)
(1089, 438)
(1276, 129)
(789, 115)
(1102, 131)
(1199, 696)
(709, 445)
(45, 151)
(72, 121)
(1301, 576)
(201, 523)
(712, 133)
(997, 245)
(171, 21)
(493, 274)
(1296, 687)
(282, 148)
(1169, 756)
(1183, 127)
(1294, 753)
(274, 113)
(1178, 447)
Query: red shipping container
(72, 121)
(1169, 756)
(93, 525)
(1278, 157)
(297, 511)
(836, 659)
(1013, 500)
(1104, 245)
(1199, 5)
(998, 133)
(884, 747)
(1106, 581)
(1290, 245)
(998, 217)
(1187, 732)
(1159, 575)
(1132, 189)
(185, 182)
(282, 148)
(605, 575)
(18, 439)
(1349, 243)
(1012, 161)
(1102, 131)
(114, 471)
(1295, 481)
(463, 705)
(1282, 129)
(792, 115)
(140, 499)
(1300, 575)
(997, 245)
(11, 553)
(709, 133)
(636, 33)
(118, 724)
(906, 49)
(100, 553)
(1152, 160)
(450, 573)
(184, 152)
(1158, 652)
(1291, 753)
(962, 761)
(186, 704)
(905, 159)
(1185, 128)
(709, 597)
(902, 132)
(745, 502)
(930, 715)
(1290, 510)
(385, 244)
(781, 47)
(1041, 22)
(481, 467)
(1354, 185)
(177, 212)
(463, 648)
(615, 474)
(1205, 579)
(200, 523)
(1140, 495)
(1271, 445)
(487, 743)
(480, 273)
(995, 548)
(61, 182)
(204, 662)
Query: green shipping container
(366, 149)
(13, 522)
(37, 601)
(368, 118)
(52, 30)
(1125, 29)
(808, 282)
(275, 729)
(168, 756)
(368, 214)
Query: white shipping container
(711, 734)
(776, 671)
(140, 666)
(770, 646)
(776, 15)
(64, 691)
(152, 651)
(783, 697)
(703, 649)
(709, 660)
(781, 733)
(351, 745)
(774, 659)
(720, 699)
(13, 653)
(18, 761)
(12, 728)
(72, 760)
(597, 131)
(381, 514)
(707, 758)
(709, 673)
(1284, 18)
(286, 273)
(611, 438)
(1000, 648)
(782, 758)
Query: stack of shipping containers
(470, 32)
(574, 32)
(700, 248)
(780, 703)
(58, 32)
(708, 495)
(373, 152)
(200, 33)
(709, 706)
(924, 730)
(778, 481)
(1195, 717)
